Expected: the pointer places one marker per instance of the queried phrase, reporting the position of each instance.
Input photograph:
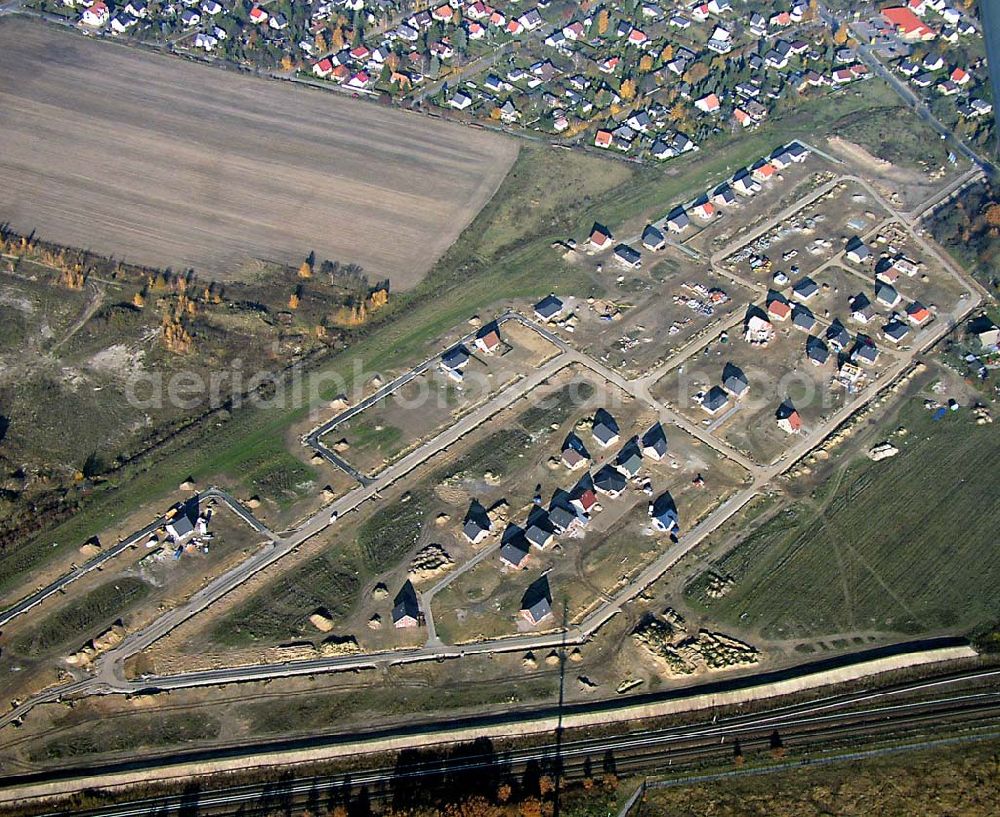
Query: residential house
(708, 104)
(663, 512)
(548, 308)
(778, 308)
(716, 400)
(985, 331)
(652, 238)
(585, 501)
(514, 548)
(610, 481)
(477, 524)
(788, 419)
(654, 442)
(857, 251)
(678, 220)
(703, 208)
(837, 335)
(258, 16)
(734, 381)
(865, 351)
(803, 318)
(488, 338)
(723, 196)
(757, 329)
(917, 313)
(629, 459)
(461, 101)
(628, 256)
(886, 294)
(862, 310)
(405, 608)
(536, 604)
(805, 289)
(574, 453)
(816, 351)
(600, 237)
(895, 330)
(97, 15)
(604, 428)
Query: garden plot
(687, 302)
(429, 403)
(810, 237)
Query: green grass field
(82, 618)
(907, 545)
(281, 610)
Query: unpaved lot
(169, 163)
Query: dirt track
(170, 163)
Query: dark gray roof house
(654, 442)
(816, 350)
(865, 350)
(734, 380)
(663, 511)
(562, 518)
(652, 238)
(837, 335)
(886, 294)
(605, 428)
(715, 400)
(548, 308)
(477, 523)
(609, 480)
(678, 220)
(628, 256)
(405, 609)
(629, 459)
(803, 318)
(455, 359)
(895, 330)
(857, 250)
(536, 604)
(539, 531)
(805, 289)
(513, 546)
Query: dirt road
(170, 163)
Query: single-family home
(857, 251)
(703, 208)
(654, 442)
(862, 310)
(734, 381)
(653, 238)
(778, 308)
(604, 428)
(536, 604)
(895, 330)
(837, 335)
(97, 15)
(258, 16)
(460, 101)
(678, 220)
(716, 400)
(488, 338)
(548, 308)
(610, 481)
(805, 289)
(708, 104)
(405, 608)
(628, 256)
(803, 318)
(477, 524)
(917, 313)
(788, 418)
(865, 351)
(816, 351)
(757, 329)
(886, 294)
(663, 512)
